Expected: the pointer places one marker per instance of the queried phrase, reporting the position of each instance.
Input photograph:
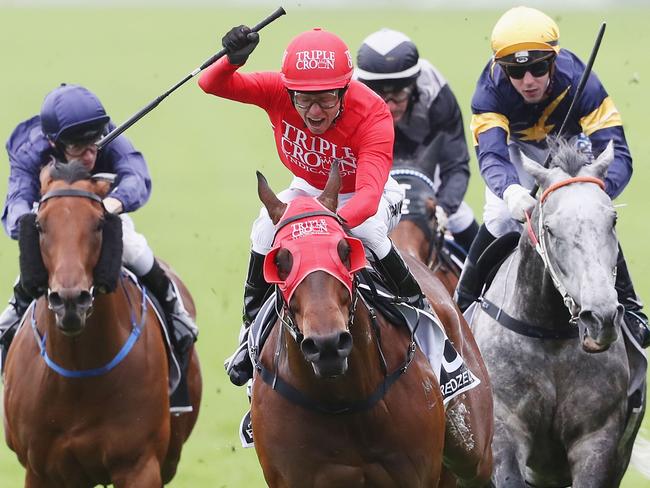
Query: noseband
(541, 246)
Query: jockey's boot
(635, 319)
(465, 238)
(10, 318)
(399, 279)
(469, 285)
(180, 326)
(239, 366)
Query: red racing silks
(313, 242)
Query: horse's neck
(409, 238)
(536, 295)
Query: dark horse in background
(342, 397)
(86, 381)
(550, 331)
(417, 236)
(418, 232)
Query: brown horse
(417, 233)
(86, 394)
(339, 399)
(470, 414)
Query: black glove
(240, 42)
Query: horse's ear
(330, 196)
(102, 187)
(539, 172)
(599, 167)
(273, 205)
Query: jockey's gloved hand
(519, 201)
(442, 218)
(240, 42)
(113, 205)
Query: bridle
(272, 377)
(541, 247)
(283, 312)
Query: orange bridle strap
(576, 179)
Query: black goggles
(537, 69)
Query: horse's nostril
(85, 299)
(345, 344)
(309, 348)
(55, 300)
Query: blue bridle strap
(123, 352)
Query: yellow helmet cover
(524, 29)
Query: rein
(540, 243)
(136, 330)
(292, 394)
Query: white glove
(519, 202)
(442, 218)
(113, 205)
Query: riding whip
(118, 130)
(576, 97)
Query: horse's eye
(100, 225)
(343, 250)
(615, 220)
(37, 224)
(548, 229)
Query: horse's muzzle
(71, 308)
(328, 354)
(598, 331)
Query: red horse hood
(311, 233)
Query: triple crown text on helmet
(315, 59)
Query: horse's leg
(447, 479)
(145, 474)
(468, 438)
(593, 460)
(507, 471)
(34, 481)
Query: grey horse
(556, 356)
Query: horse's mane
(69, 172)
(566, 156)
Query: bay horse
(417, 238)
(418, 233)
(341, 397)
(550, 331)
(86, 381)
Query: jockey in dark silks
(428, 123)
(71, 122)
(522, 96)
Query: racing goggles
(537, 69)
(325, 100)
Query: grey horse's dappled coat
(560, 404)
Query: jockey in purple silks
(71, 122)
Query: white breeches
(496, 215)
(373, 232)
(462, 218)
(137, 255)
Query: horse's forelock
(69, 172)
(566, 156)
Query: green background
(203, 152)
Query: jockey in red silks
(319, 116)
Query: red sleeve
(223, 80)
(375, 158)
